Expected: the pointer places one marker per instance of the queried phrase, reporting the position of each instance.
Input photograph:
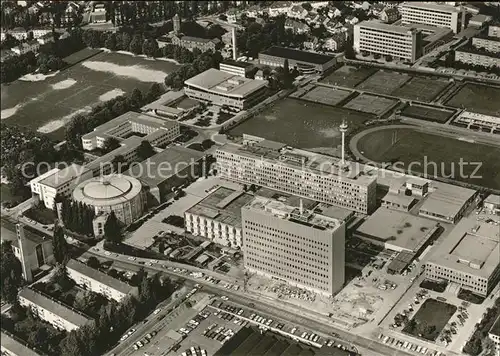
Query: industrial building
(304, 62)
(433, 14)
(223, 89)
(118, 193)
(56, 182)
(48, 309)
(12, 346)
(310, 175)
(218, 217)
(294, 245)
(99, 282)
(155, 130)
(468, 256)
(241, 69)
(167, 170)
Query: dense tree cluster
(474, 345)
(100, 114)
(77, 217)
(112, 229)
(10, 272)
(59, 245)
(113, 320)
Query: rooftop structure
(446, 202)
(468, 256)
(311, 175)
(395, 230)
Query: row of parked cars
(194, 351)
(145, 340)
(193, 323)
(402, 344)
(220, 334)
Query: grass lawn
(427, 113)
(433, 285)
(301, 123)
(370, 103)
(468, 296)
(478, 98)
(430, 319)
(349, 76)
(434, 155)
(41, 214)
(326, 95)
(421, 89)
(384, 82)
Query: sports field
(433, 155)
(348, 76)
(482, 99)
(326, 95)
(301, 124)
(384, 82)
(370, 104)
(427, 113)
(421, 88)
(47, 103)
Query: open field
(477, 98)
(421, 89)
(301, 124)
(427, 113)
(326, 95)
(371, 104)
(430, 319)
(47, 103)
(434, 155)
(384, 82)
(348, 76)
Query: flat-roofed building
(310, 175)
(167, 170)
(218, 217)
(398, 201)
(492, 203)
(294, 245)
(155, 130)
(241, 69)
(12, 346)
(99, 282)
(494, 30)
(447, 202)
(52, 311)
(225, 89)
(494, 334)
(477, 56)
(397, 231)
(399, 42)
(491, 44)
(479, 20)
(468, 256)
(58, 182)
(304, 62)
(474, 119)
(431, 14)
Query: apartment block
(293, 245)
(478, 57)
(99, 282)
(490, 44)
(494, 30)
(399, 42)
(52, 311)
(12, 346)
(468, 257)
(440, 15)
(310, 175)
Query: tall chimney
(234, 43)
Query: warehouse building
(468, 257)
(224, 89)
(307, 174)
(304, 62)
(99, 282)
(294, 245)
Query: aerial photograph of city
(250, 178)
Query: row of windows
(282, 234)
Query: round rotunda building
(121, 194)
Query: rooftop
(493, 199)
(495, 329)
(478, 51)
(399, 199)
(219, 82)
(99, 276)
(164, 165)
(397, 228)
(480, 18)
(298, 55)
(376, 25)
(64, 176)
(127, 145)
(446, 200)
(471, 247)
(239, 64)
(223, 205)
(15, 346)
(198, 39)
(431, 6)
(293, 214)
(72, 316)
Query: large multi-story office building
(399, 42)
(293, 245)
(46, 308)
(99, 282)
(431, 14)
(310, 175)
(468, 257)
(225, 89)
